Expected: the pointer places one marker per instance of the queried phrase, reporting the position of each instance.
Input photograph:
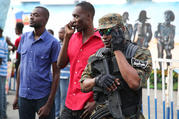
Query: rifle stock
(114, 99)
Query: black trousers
(70, 114)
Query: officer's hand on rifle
(117, 41)
(88, 108)
(106, 81)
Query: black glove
(104, 81)
(117, 41)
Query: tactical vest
(131, 100)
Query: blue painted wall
(4, 6)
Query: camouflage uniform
(141, 55)
(111, 20)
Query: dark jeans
(71, 114)
(28, 108)
(61, 96)
(3, 105)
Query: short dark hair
(45, 10)
(19, 26)
(62, 28)
(51, 31)
(88, 7)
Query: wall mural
(165, 35)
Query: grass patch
(159, 80)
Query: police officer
(116, 73)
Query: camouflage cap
(110, 20)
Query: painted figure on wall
(165, 36)
(129, 31)
(142, 30)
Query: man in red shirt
(76, 49)
(18, 29)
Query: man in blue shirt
(3, 74)
(35, 86)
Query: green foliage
(159, 80)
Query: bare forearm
(53, 89)
(18, 82)
(9, 42)
(63, 57)
(54, 86)
(0, 61)
(87, 85)
(128, 73)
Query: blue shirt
(65, 72)
(3, 56)
(36, 59)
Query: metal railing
(167, 89)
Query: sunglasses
(105, 31)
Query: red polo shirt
(78, 54)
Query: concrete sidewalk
(11, 114)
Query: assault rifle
(113, 101)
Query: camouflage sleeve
(143, 64)
(87, 72)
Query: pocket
(43, 59)
(23, 52)
(23, 55)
